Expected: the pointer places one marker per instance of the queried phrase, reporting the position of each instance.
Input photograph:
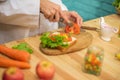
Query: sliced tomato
(75, 29)
(70, 39)
(67, 29)
(52, 38)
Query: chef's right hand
(50, 10)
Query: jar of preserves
(93, 60)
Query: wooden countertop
(69, 66)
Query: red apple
(13, 73)
(45, 70)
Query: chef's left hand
(69, 16)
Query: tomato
(75, 29)
(69, 39)
(52, 37)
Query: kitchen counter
(69, 66)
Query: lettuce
(47, 42)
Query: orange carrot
(15, 54)
(5, 62)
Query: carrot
(5, 62)
(15, 54)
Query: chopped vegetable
(75, 29)
(52, 41)
(4, 62)
(15, 54)
(23, 46)
(93, 61)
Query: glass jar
(93, 60)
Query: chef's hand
(69, 16)
(50, 10)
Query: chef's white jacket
(22, 18)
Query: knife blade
(90, 28)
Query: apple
(13, 73)
(45, 70)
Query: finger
(74, 14)
(57, 8)
(47, 14)
(57, 17)
(51, 18)
(50, 14)
(80, 21)
(77, 18)
(64, 15)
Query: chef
(23, 18)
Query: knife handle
(90, 28)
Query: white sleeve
(11, 7)
(20, 12)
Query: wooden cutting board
(84, 39)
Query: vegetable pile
(16, 58)
(93, 62)
(51, 40)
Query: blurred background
(90, 9)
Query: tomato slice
(75, 29)
(70, 39)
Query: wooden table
(69, 66)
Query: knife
(85, 27)
(82, 27)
